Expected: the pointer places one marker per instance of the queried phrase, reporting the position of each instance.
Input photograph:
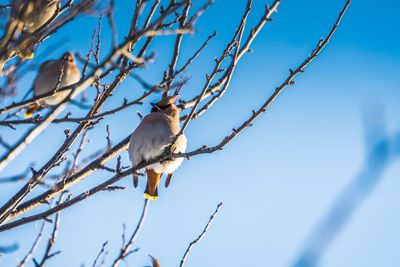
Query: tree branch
(200, 236)
(125, 247)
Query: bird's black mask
(157, 108)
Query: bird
(27, 16)
(54, 74)
(33, 13)
(153, 135)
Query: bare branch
(151, 13)
(199, 12)
(62, 186)
(245, 48)
(178, 40)
(110, 17)
(263, 108)
(76, 89)
(194, 56)
(100, 253)
(234, 43)
(37, 119)
(125, 247)
(50, 244)
(35, 243)
(200, 236)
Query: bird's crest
(168, 100)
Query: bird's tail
(26, 48)
(32, 109)
(153, 178)
(26, 53)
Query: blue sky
(278, 178)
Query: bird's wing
(150, 137)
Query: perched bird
(33, 13)
(27, 16)
(155, 132)
(54, 74)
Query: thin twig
(178, 40)
(110, 17)
(209, 78)
(125, 248)
(47, 255)
(245, 48)
(200, 236)
(278, 90)
(6, 209)
(97, 164)
(199, 12)
(35, 243)
(100, 253)
(190, 60)
(37, 119)
(62, 186)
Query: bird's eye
(165, 107)
(159, 108)
(155, 108)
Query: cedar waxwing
(47, 78)
(33, 13)
(28, 16)
(154, 133)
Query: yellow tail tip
(150, 197)
(28, 114)
(26, 56)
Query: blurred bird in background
(33, 13)
(27, 16)
(155, 132)
(54, 74)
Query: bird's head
(166, 105)
(68, 57)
